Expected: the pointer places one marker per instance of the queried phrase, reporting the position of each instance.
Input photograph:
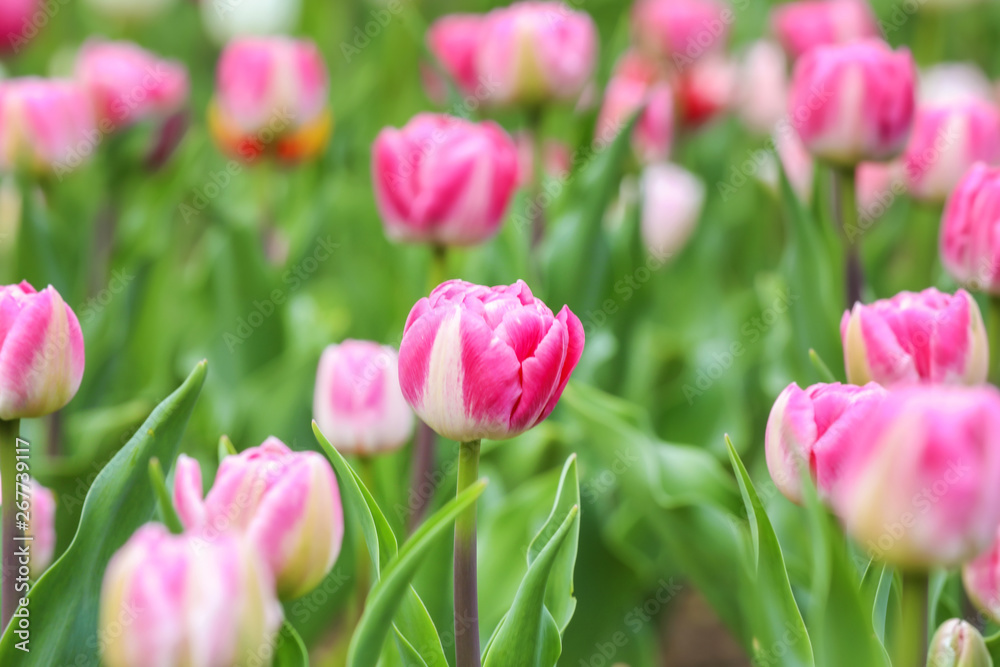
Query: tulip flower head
(813, 429)
(286, 503)
(444, 180)
(454, 40)
(226, 20)
(853, 103)
(358, 404)
(803, 25)
(672, 201)
(680, 32)
(705, 90)
(970, 245)
(761, 87)
(41, 527)
(271, 98)
(16, 24)
(128, 84)
(925, 337)
(981, 577)
(46, 125)
(918, 489)
(637, 84)
(958, 644)
(486, 362)
(41, 352)
(186, 601)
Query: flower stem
(845, 208)
(538, 175)
(911, 641)
(993, 331)
(466, 599)
(12, 535)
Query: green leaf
(290, 650)
(993, 646)
(226, 448)
(776, 615)
(529, 635)
(393, 586)
(166, 506)
(119, 501)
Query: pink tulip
(358, 404)
(486, 362)
(705, 90)
(128, 84)
(672, 200)
(41, 352)
(958, 644)
(853, 103)
(180, 600)
(637, 84)
(970, 240)
(919, 487)
(444, 180)
(680, 32)
(287, 503)
(813, 430)
(805, 24)
(271, 97)
(761, 87)
(947, 140)
(454, 41)
(982, 580)
(535, 52)
(798, 164)
(925, 337)
(18, 23)
(41, 527)
(45, 125)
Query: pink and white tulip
(853, 103)
(358, 404)
(271, 97)
(454, 41)
(958, 644)
(672, 201)
(761, 87)
(128, 84)
(534, 52)
(46, 125)
(981, 577)
(17, 25)
(444, 180)
(41, 527)
(637, 84)
(950, 82)
(286, 503)
(680, 32)
(180, 600)
(705, 90)
(41, 352)
(486, 362)
(926, 337)
(812, 430)
(805, 24)
(970, 240)
(919, 488)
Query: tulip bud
(958, 644)
(271, 97)
(970, 249)
(918, 489)
(358, 404)
(17, 24)
(41, 352)
(532, 52)
(45, 125)
(287, 503)
(41, 527)
(947, 140)
(226, 20)
(813, 430)
(672, 200)
(705, 90)
(800, 26)
(454, 41)
(925, 337)
(181, 600)
(131, 10)
(853, 103)
(761, 87)
(486, 362)
(443, 180)
(680, 32)
(128, 84)
(636, 84)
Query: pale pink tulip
(970, 238)
(41, 528)
(680, 32)
(637, 84)
(486, 362)
(805, 24)
(958, 644)
(672, 201)
(761, 87)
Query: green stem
(845, 205)
(13, 536)
(466, 599)
(538, 176)
(993, 331)
(911, 641)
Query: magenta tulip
(358, 404)
(454, 41)
(812, 430)
(444, 180)
(20, 20)
(853, 103)
(970, 240)
(637, 84)
(486, 362)
(181, 600)
(803, 25)
(287, 503)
